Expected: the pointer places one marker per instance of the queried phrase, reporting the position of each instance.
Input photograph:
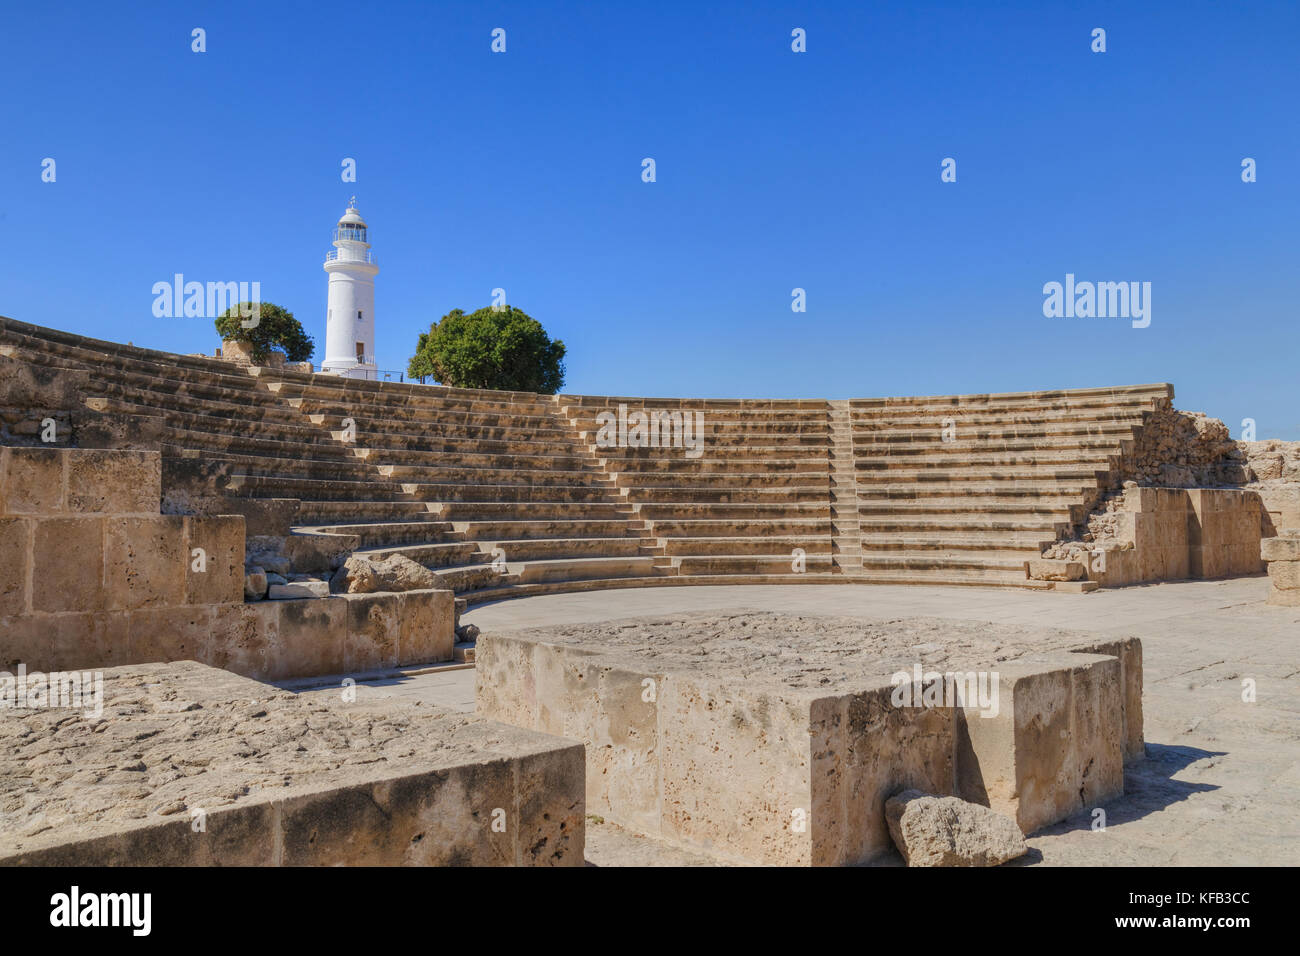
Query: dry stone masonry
(179, 520)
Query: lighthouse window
(358, 313)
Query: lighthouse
(350, 313)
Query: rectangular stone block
(165, 634)
(15, 546)
(33, 481)
(113, 482)
(312, 637)
(1056, 744)
(222, 542)
(145, 561)
(374, 631)
(1281, 548)
(428, 630)
(245, 640)
(67, 564)
(1284, 575)
(1288, 598)
(775, 772)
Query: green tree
(275, 329)
(492, 348)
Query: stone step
(804, 450)
(578, 568)
(1053, 490)
(749, 563)
(431, 554)
(386, 533)
(957, 542)
(726, 510)
(382, 414)
(697, 495)
(538, 549)
(739, 527)
(516, 529)
(611, 402)
(998, 431)
(1006, 561)
(1090, 461)
(640, 482)
(529, 510)
(715, 466)
(773, 545)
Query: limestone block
(1055, 570)
(948, 831)
(245, 639)
(311, 638)
(163, 634)
(73, 640)
(296, 590)
(373, 632)
(113, 482)
(735, 771)
(68, 564)
(145, 561)
(1281, 548)
(863, 749)
(15, 545)
(428, 627)
(1284, 575)
(222, 542)
(1056, 744)
(1288, 598)
(33, 481)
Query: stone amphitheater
(233, 545)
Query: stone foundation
(188, 765)
(91, 575)
(1167, 534)
(777, 740)
(1283, 556)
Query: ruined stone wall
(91, 575)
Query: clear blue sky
(775, 170)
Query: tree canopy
(494, 347)
(275, 329)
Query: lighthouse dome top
(352, 217)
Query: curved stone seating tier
(506, 493)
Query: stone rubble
(949, 831)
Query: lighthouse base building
(350, 313)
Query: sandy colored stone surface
(803, 652)
(1220, 784)
(945, 831)
(176, 738)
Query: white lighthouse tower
(350, 319)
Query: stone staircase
(508, 493)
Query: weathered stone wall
(91, 575)
(1167, 534)
(1282, 553)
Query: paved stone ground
(1221, 782)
